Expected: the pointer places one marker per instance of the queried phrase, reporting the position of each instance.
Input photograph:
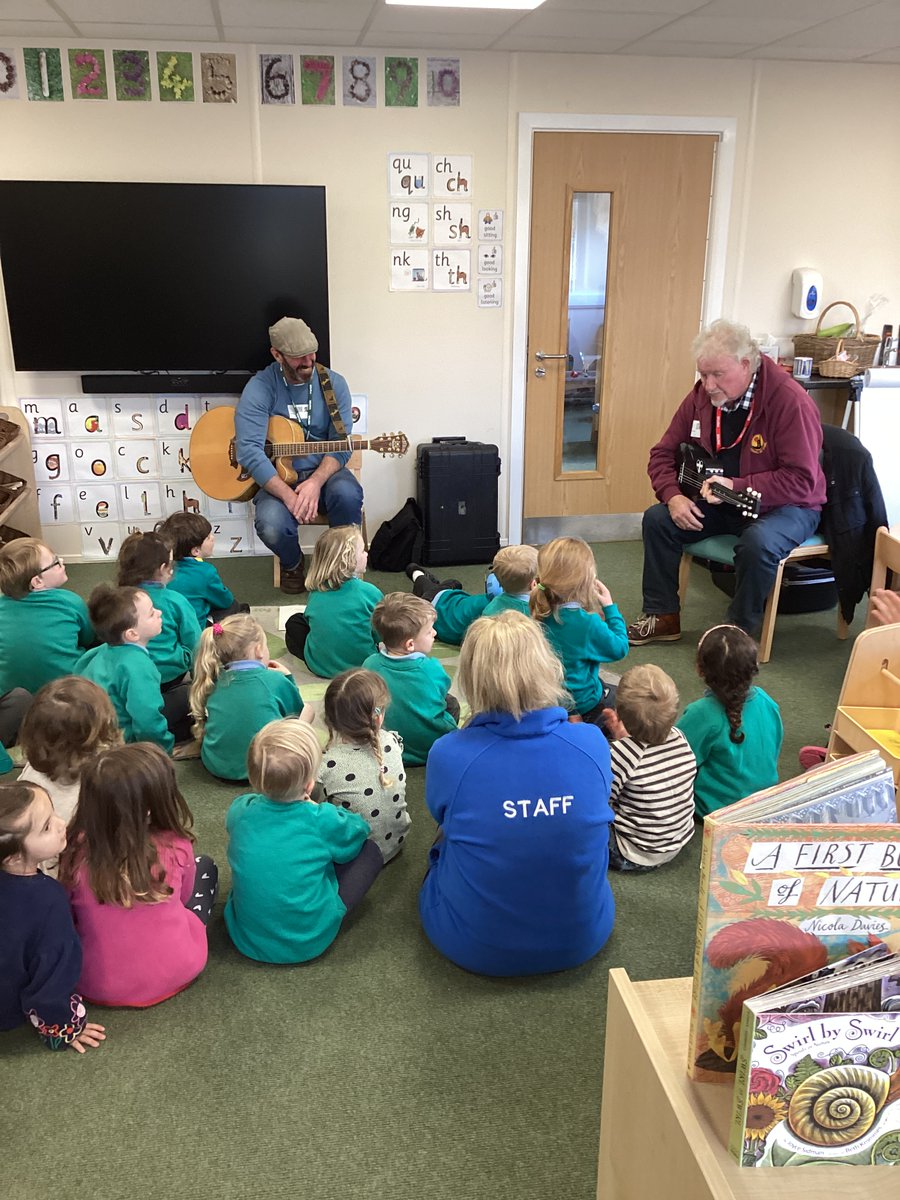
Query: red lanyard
(739, 438)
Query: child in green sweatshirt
(127, 621)
(420, 710)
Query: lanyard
(719, 447)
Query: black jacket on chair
(853, 510)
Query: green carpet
(380, 1070)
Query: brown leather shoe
(293, 582)
(654, 627)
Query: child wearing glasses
(44, 629)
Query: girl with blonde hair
(237, 689)
(581, 622)
(335, 631)
(363, 765)
(297, 867)
(517, 881)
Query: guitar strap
(330, 399)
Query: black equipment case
(457, 492)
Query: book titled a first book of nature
(791, 879)
(818, 1071)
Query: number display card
(401, 82)
(175, 71)
(9, 75)
(276, 79)
(359, 82)
(443, 83)
(43, 73)
(131, 72)
(87, 72)
(218, 73)
(317, 79)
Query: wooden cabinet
(662, 1135)
(21, 512)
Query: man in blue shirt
(292, 386)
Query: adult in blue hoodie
(517, 882)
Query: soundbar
(227, 383)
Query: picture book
(791, 879)
(818, 1070)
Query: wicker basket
(862, 345)
(839, 368)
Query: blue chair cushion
(720, 548)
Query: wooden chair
(720, 549)
(868, 708)
(354, 464)
(887, 558)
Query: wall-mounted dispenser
(806, 293)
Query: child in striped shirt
(653, 771)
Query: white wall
(808, 136)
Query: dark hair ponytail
(727, 662)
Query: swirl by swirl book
(818, 1071)
(791, 879)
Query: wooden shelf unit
(663, 1135)
(16, 459)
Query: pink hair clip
(217, 630)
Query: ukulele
(695, 467)
(217, 472)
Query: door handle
(540, 355)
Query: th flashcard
(451, 270)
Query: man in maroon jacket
(765, 433)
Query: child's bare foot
(189, 749)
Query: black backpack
(398, 541)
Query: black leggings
(206, 887)
(176, 695)
(296, 631)
(357, 876)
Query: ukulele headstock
(390, 444)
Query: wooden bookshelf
(662, 1135)
(16, 459)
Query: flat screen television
(159, 277)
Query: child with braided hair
(363, 766)
(236, 690)
(735, 730)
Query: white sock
(415, 575)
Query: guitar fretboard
(299, 449)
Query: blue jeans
(341, 500)
(761, 546)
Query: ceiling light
(520, 4)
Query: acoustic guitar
(695, 467)
(217, 472)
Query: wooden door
(659, 189)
